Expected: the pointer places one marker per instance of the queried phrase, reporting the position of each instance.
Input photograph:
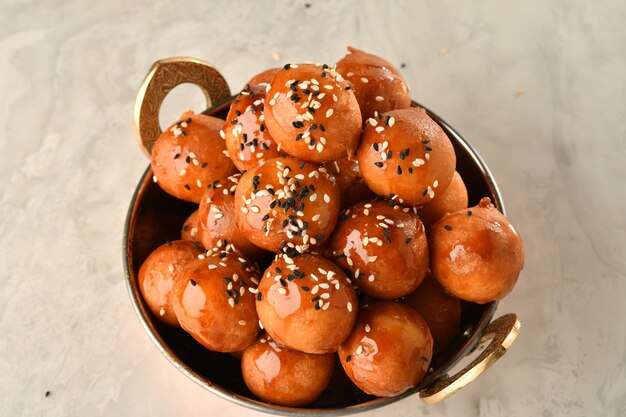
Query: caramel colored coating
(306, 303)
(248, 141)
(352, 187)
(283, 376)
(378, 85)
(384, 247)
(440, 310)
(405, 153)
(189, 231)
(214, 301)
(312, 113)
(217, 219)
(287, 205)
(189, 156)
(452, 199)
(389, 350)
(263, 79)
(476, 253)
(160, 271)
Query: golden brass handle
(164, 75)
(500, 334)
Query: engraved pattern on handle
(165, 75)
(500, 334)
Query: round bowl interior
(155, 217)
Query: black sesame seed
(317, 306)
(469, 212)
(277, 269)
(227, 279)
(378, 164)
(203, 165)
(237, 112)
(287, 66)
(187, 187)
(410, 170)
(192, 282)
(297, 124)
(408, 240)
(403, 65)
(348, 358)
(305, 288)
(428, 148)
(259, 297)
(264, 218)
(389, 154)
(176, 156)
(375, 146)
(188, 159)
(447, 227)
(188, 120)
(387, 239)
(349, 87)
(48, 393)
(168, 242)
(399, 170)
(283, 283)
(424, 192)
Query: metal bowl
(155, 217)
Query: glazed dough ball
(389, 350)
(189, 231)
(440, 310)
(312, 113)
(384, 248)
(405, 153)
(160, 271)
(352, 187)
(263, 79)
(214, 301)
(306, 303)
(378, 85)
(217, 219)
(190, 155)
(452, 199)
(287, 205)
(248, 141)
(476, 254)
(283, 376)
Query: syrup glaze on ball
(352, 186)
(453, 198)
(389, 350)
(190, 155)
(306, 303)
(248, 141)
(217, 218)
(383, 246)
(287, 205)
(160, 271)
(476, 253)
(405, 153)
(312, 113)
(214, 300)
(283, 376)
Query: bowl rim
(143, 314)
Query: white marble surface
(538, 87)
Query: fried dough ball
(384, 248)
(306, 303)
(352, 186)
(312, 113)
(378, 85)
(405, 153)
(189, 156)
(189, 231)
(263, 79)
(440, 310)
(214, 301)
(389, 350)
(287, 205)
(476, 254)
(248, 141)
(452, 199)
(217, 219)
(283, 376)
(160, 271)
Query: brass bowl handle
(164, 75)
(500, 334)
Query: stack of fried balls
(349, 199)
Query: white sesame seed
(313, 197)
(162, 312)
(183, 172)
(372, 258)
(326, 305)
(380, 98)
(379, 129)
(255, 209)
(242, 322)
(418, 162)
(367, 328)
(349, 306)
(170, 267)
(326, 198)
(282, 291)
(218, 216)
(359, 350)
(261, 325)
(231, 302)
(391, 121)
(315, 217)
(329, 113)
(222, 134)
(325, 296)
(212, 266)
(371, 278)
(364, 80)
(154, 178)
(435, 184)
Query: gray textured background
(539, 88)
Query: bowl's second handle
(500, 334)
(164, 75)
